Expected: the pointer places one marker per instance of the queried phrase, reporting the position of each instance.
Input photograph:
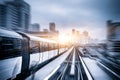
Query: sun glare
(63, 39)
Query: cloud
(70, 14)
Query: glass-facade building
(15, 15)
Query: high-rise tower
(14, 14)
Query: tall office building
(52, 27)
(14, 14)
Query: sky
(89, 15)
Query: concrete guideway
(49, 68)
(72, 71)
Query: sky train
(20, 52)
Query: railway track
(109, 67)
(73, 68)
(64, 69)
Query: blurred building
(45, 30)
(14, 14)
(113, 39)
(73, 32)
(85, 38)
(50, 34)
(75, 36)
(85, 33)
(78, 33)
(52, 27)
(34, 27)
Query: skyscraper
(14, 14)
(52, 27)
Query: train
(20, 52)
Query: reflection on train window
(45, 46)
(52, 46)
(7, 44)
(41, 46)
(9, 47)
(117, 44)
(34, 47)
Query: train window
(52, 46)
(56, 46)
(9, 47)
(34, 44)
(45, 46)
(34, 47)
(7, 44)
(49, 46)
(0, 39)
(18, 44)
(41, 46)
(117, 44)
(0, 43)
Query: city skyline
(59, 39)
(79, 14)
